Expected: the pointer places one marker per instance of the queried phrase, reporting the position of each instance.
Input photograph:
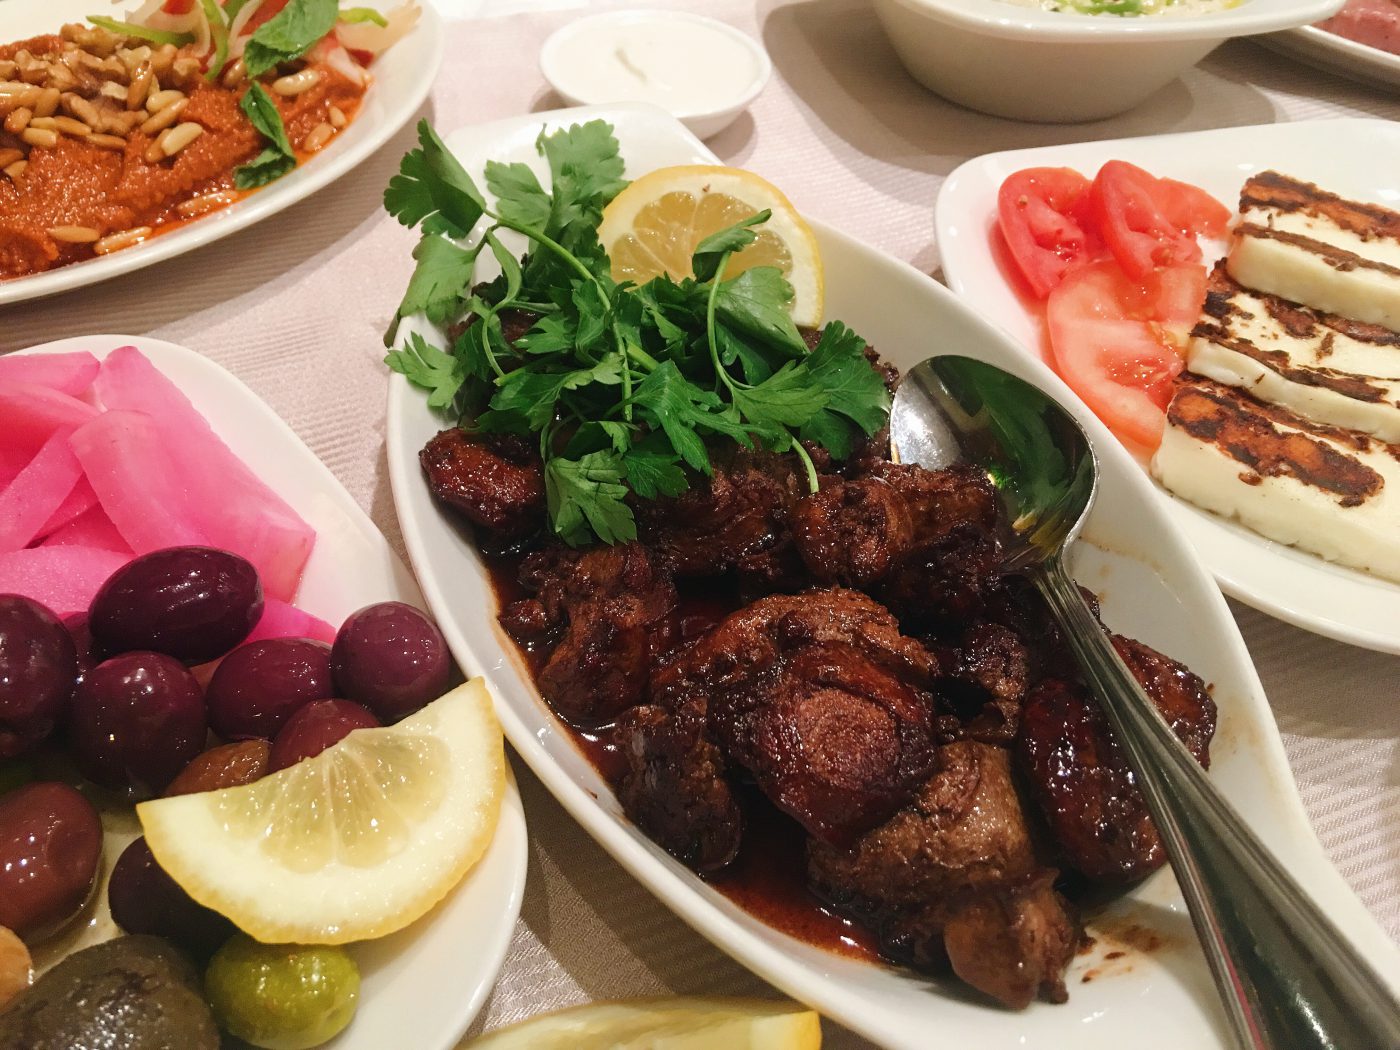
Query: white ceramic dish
(1290, 584)
(571, 60)
(422, 986)
(1336, 54)
(1054, 66)
(1152, 587)
(402, 75)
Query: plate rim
(1187, 517)
(678, 889)
(429, 34)
(512, 829)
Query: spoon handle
(1286, 976)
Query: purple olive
(259, 686)
(144, 899)
(192, 603)
(391, 658)
(316, 727)
(38, 669)
(50, 846)
(136, 721)
(88, 653)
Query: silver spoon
(1287, 978)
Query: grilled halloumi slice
(1323, 489)
(1312, 247)
(1327, 368)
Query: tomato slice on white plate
(1118, 342)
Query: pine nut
(7, 69)
(47, 104)
(15, 170)
(107, 141)
(141, 82)
(69, 126)
(337, 117)
(317, 137)
(165, 118)
(180, 136)
(9, 156)
(18, 120)
(74, 234)
(234, 74)
(44, 123)
(14, 87)
(40, 137)
(185, 69)
(117, 241)
(120, 123)
(160, 99)
(296, 83)
(83, 110)
(205, 204)
(111, 89)
(154, 154)
(162, 59)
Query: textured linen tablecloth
(296, 306)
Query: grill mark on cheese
(1337, 258)
(1246, 430)
(1270, 189)
(1299, 321)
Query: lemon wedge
(354, 843)
(665, 1024)
(653, 226)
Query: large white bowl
(1144, 984)
(1059, 66)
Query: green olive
(281, 996)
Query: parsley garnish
(277, 159)
(289, 34)
(623, 387)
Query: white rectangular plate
(1356, 158)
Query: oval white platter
(422, 986)
(1152, 588)
(403, 75)
(1336, 54)
(1356, 158)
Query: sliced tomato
(1042, 213)
(1128, 208)
(1191, 209)
(1116, 341)
(264, 14)
(178, 7)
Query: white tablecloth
(296, 307)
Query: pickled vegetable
(391, 658)
(282, 996)
(261, 685)
(38, 669)
(136, 721)
(316, 727)
(50, 846)
(144, 899)
(193, 603)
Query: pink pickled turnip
(78, 502)
(225, 501)
(32, 413)
(40, 488)
(63, 579)
(90, 529)
(69, 374)
(280, 620)
(127, 461)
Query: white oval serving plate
(1356, 158)
(422, 986)
(1336, 54)
(1152, 588)
(403, 75)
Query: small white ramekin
(1059, 66)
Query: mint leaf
(519, 196)
(756, 304)
(425, 365)
(434, 189)
(289, 34)
(705, 261)
(588, 494)
(278, 159)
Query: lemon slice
(354, 843)
(653, 226)
(665, 1024)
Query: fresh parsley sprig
(626, 389)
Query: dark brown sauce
(767, 879)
